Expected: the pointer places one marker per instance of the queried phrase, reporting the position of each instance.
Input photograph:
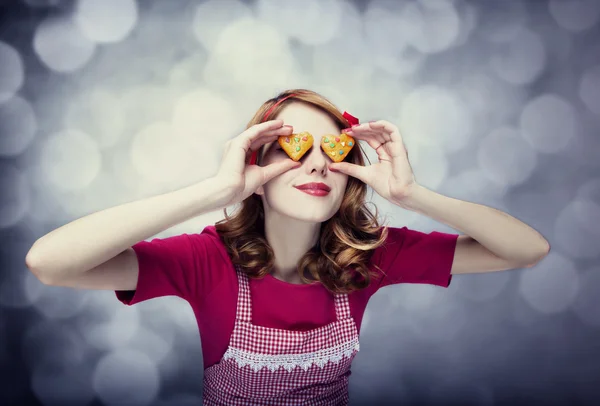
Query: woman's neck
(290, 240)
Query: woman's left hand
(392, 177)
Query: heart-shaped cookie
(337, 147)
(296, 145)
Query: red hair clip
(351, 119)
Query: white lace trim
(290, 361)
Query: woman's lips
(315, 192)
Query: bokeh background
(107, 101)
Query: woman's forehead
(304, 117)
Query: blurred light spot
(45, 3)
(505, 157)
(473, 185)
(590, 190)
(387, 40)
(589, 89)
(548, 123)
(314, 21)
(106, 21)
(57, 302)
(62, 384)
(430, 165)
(522, 60)
(185, 72)
(206, 120)
(33, 289)
(588, 213)
(15, 198)
(156, 346)
(572, 234)
(144, 104)
(11, 72)
(115, 332)
(98, 113)
(383, 26)
(18, 125)
(104, 191)
(457, 391)
(489, 100)
(503, 20)
(61, 46)
(441, 323)
(126, 377)
(469, 16)
(252, 55)
(181, 399)
(12, 288)
(70, 159)
(53, 342)
(586, 304)
(550, 287)
(482, 287)
(161, 157)
(575, 15)
(433, 116)
(213, 16)
(431, 26)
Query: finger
(356, 171)
(388, 128)
(275, 169)
(237, 149)
(368, 134)
(270, 136)
(374, 138)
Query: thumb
(276, 169)
(356, 171)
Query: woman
(279, 289)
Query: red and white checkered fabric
(268, 366)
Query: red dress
(197, 268)
(269, 366)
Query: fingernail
(288, 126)
(354, 125)
(347, 129)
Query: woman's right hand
(240, 180)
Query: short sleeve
(411, 256)
(167, 267)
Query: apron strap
(342, 306)
(244, 303)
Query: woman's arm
(494, 240)
(101, 241)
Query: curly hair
(339, 260)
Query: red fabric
(351, 119)
(196, 267)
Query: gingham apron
(269, 366)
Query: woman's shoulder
(209, 241)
